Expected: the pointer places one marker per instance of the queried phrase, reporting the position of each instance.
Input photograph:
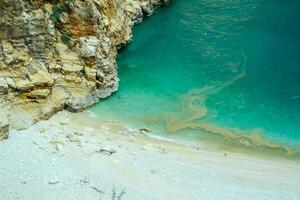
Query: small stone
(84, 180)
(107, 152)
(53, 182)
(77, 133)
(42, 130)
(145, 130)
(74, 138)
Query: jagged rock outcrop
(57, 54)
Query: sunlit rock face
(61, 54)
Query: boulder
(41, 78)
(10, 82)
(71, 69)
(147, 8)
(23, 85)
(39, 94)
(90, 74)
(88, 46)
(3, 86)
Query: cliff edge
(57, 54)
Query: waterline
(221, 68)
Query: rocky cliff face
(57, 54)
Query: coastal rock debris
(106, 151)
(4, 126)
(145, 131)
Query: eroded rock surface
(61, 54)
(4, 125)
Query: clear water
(214, 67)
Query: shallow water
(229, 68)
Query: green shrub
(67, 40)
(57, 10)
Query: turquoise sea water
(228, 68)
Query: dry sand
(73, 157)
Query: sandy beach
(221, 76)
(72, 157)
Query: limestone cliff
(57, 54)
